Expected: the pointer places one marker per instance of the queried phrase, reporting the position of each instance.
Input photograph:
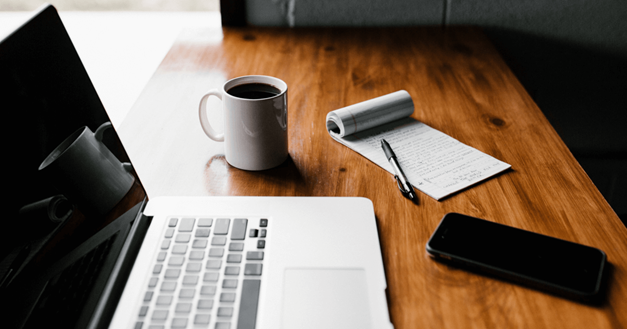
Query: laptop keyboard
(207, 274)
(67, 291)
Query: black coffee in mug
(254, 91)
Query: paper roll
(371, 113)
(53, 210)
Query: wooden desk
(460, 86)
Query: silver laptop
(173, 262)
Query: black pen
(401, 180)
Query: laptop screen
(65, 168)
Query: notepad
(434, 163)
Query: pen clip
(409, 194)
(400, 186)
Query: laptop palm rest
(325, 298)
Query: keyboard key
(172, 273)
(225, 311)
(161, 256)
(160, 315)
(211, 277)
(165, 244)
(205, 222)
(216, 252)
(261, 244)
(223, 325)
(253, 233)
(202, 319)
(190, 280)
(138, 325)
(179, 322)
(176, 261)
(168, 286)
(196, 255)
(157, 269)
(231, 270)
(183, 308)
(183, 237)
(164, 300)
(262, 233)
(200, 244)
(214, 264)
(234, 258)
(248, 304)
(229, 283)
(202, 232)
(263, 222)
(179, 249)
(143, 311)
(228, 297)
(153, 282)
(208, 290)
(254, 255)
(187, 224)
(239, 229)
(253, 269)
(193, 267)
(218, 241)
(169, 233)
(236, 246)
(205, 304)
(222, 226)
(148, 296)
(187, 293)
(173, 222)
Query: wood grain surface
(460, 86)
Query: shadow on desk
(283, 180)
(600, 301)
(582, 93)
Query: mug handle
(98, 135)
(202, 113)
(100, 131)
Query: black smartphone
(558, 266)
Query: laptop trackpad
(325, 298)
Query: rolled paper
(53, 210)
(371, 113)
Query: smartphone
(561, 267)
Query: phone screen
(527, 256)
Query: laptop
(73, 258)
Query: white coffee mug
(87, 173)
(255, 121)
